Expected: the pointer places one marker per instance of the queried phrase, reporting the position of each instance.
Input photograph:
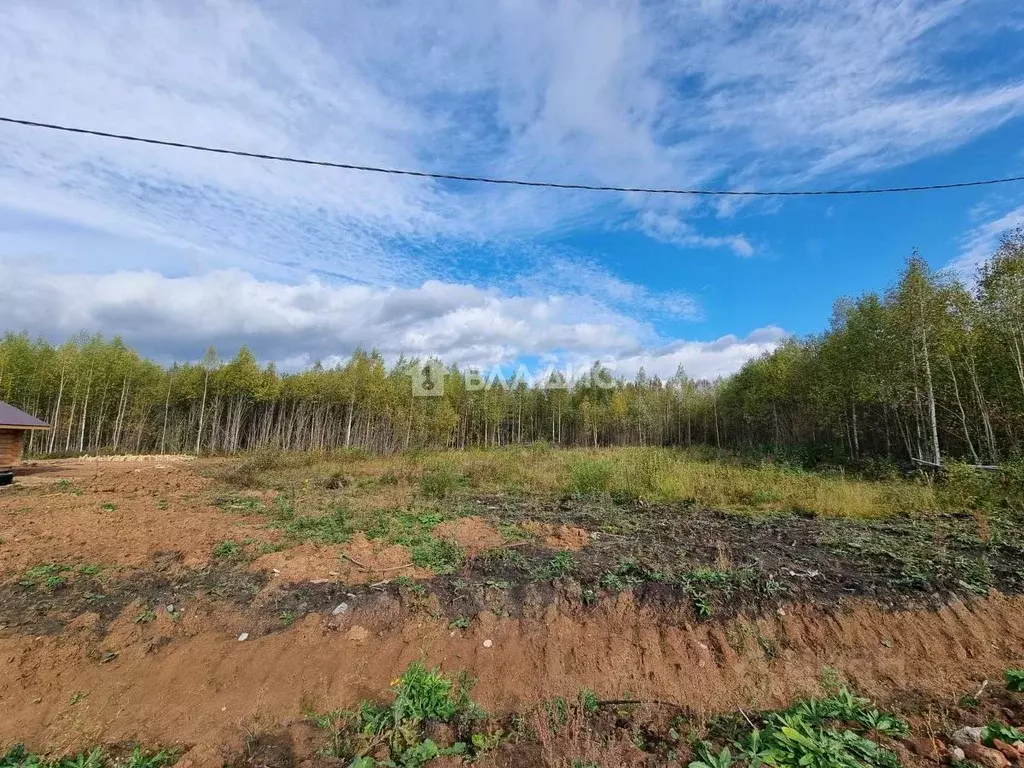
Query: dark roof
(12, 417)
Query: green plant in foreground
(588, 701)
(226, 549)
(1014, 680)
(709, 759)
(421, 695)
(997, 730)
(807, 736)
(145, 616)
(18, 757)
(48, 575)
(562, 564)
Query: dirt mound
(474, 534)
(188, 680)
(306, 562)
(361, 561)
(558, 536)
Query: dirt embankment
(189, 680)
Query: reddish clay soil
(558, 536)
(473, 534)
(190, 681)
(361, 561)
(112, 513)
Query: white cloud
(669, 228)
(604, 91)
(704, 359)
(981, 242)
(177, 318)
(693, 93)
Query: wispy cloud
(608, 91)
(670, 228)
(981, 242)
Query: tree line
(932, 368)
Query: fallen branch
(353, 560)
(394, 568)
(376, 570)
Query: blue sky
(176, 250)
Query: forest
(931, 369)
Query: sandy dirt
(564, 537)
(190, 681)
(473, 534)
(359, 562)
(112, 513)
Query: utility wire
(514, 182)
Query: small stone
(956, 755)
(932, 749)
(1019, 746)
(243, 637)
(350, 595)
(170, 609)
(1009, 752)
(989, 758)
(358, 634)
(967, 735)
(332, 573)
(781, 612)
(488, 643)
(276, 570)
(340, 609)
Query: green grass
(19, 757)
(627, 475)
(439, 555)
(227, 550)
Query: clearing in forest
(613, 607)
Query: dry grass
(627, 474)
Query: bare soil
(123, 513)
(699, 612)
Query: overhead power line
(514, 182)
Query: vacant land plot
(626, 607)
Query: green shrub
(441, 482)
(590, 477)
(421, 695)
(1014, 680)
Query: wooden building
(13, 426)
